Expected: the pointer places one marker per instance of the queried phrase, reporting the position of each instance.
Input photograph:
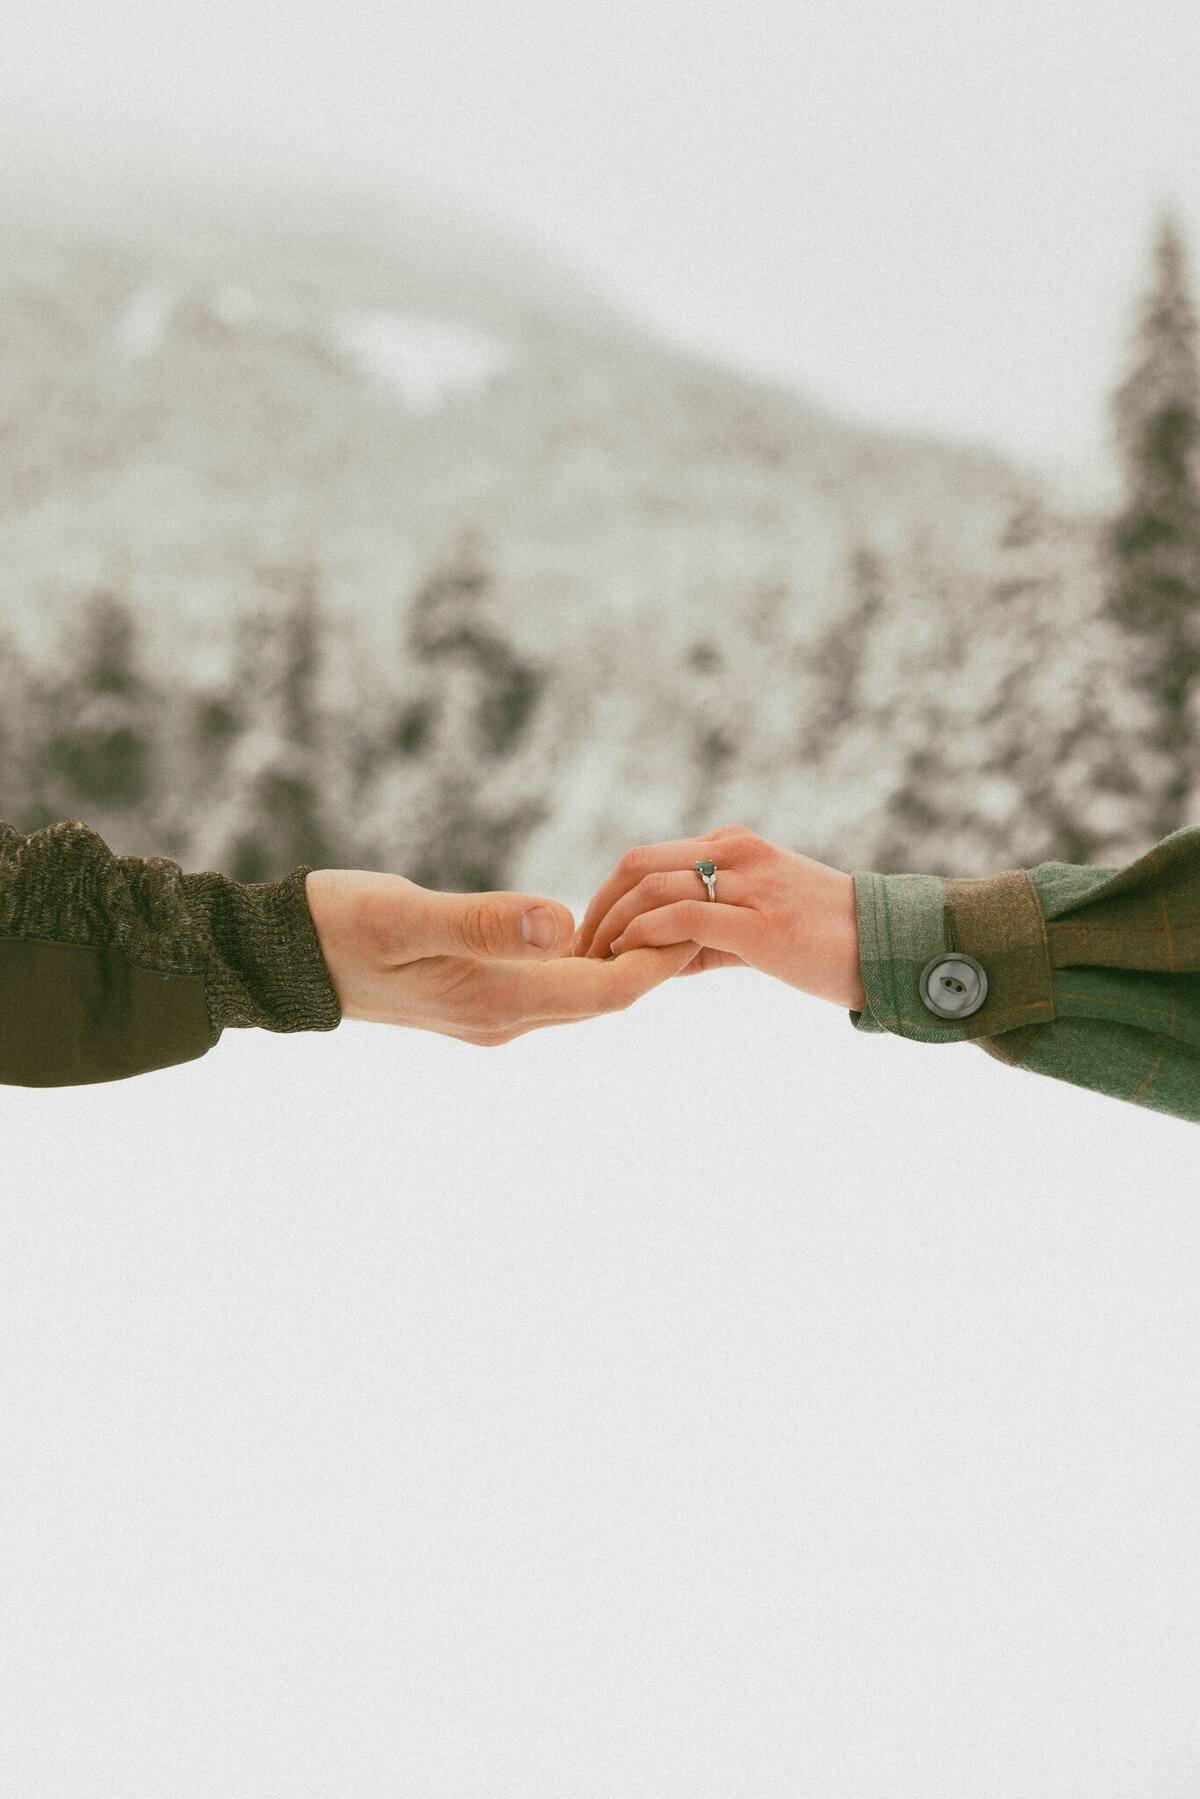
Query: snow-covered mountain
(686, 595)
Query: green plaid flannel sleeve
(1093, 973)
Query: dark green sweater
(114, 965)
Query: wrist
(846, 982)
(822, 935)
(855, 999)
(851, 992)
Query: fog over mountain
(436, 561)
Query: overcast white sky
(933, 213)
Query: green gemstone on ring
(706, 870)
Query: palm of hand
(458, 964)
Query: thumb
(508, 925)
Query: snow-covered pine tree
(453, 797)
(969, 712)
(263, 749)
(834, 665)
(1155, 540)
(93, 729)
(14, 713)
(1029, 745)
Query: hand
(783, 913)
(458, 963)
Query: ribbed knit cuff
(267, 969)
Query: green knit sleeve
(114, 965)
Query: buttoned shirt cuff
(905, 921)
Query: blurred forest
(1034, 697)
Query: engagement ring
(708, 874)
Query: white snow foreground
(704, 1400)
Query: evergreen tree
(1155, 541)
(284, 826)
(453, 797)
(966, 714)
(94, 730)
(834, 666)
(1024, 743)
(262, 760)
(14, 708)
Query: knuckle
(657, 886)
(634, 860)
(617, 1002)
(483, 929)
(746, 845)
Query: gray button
(953, 985)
